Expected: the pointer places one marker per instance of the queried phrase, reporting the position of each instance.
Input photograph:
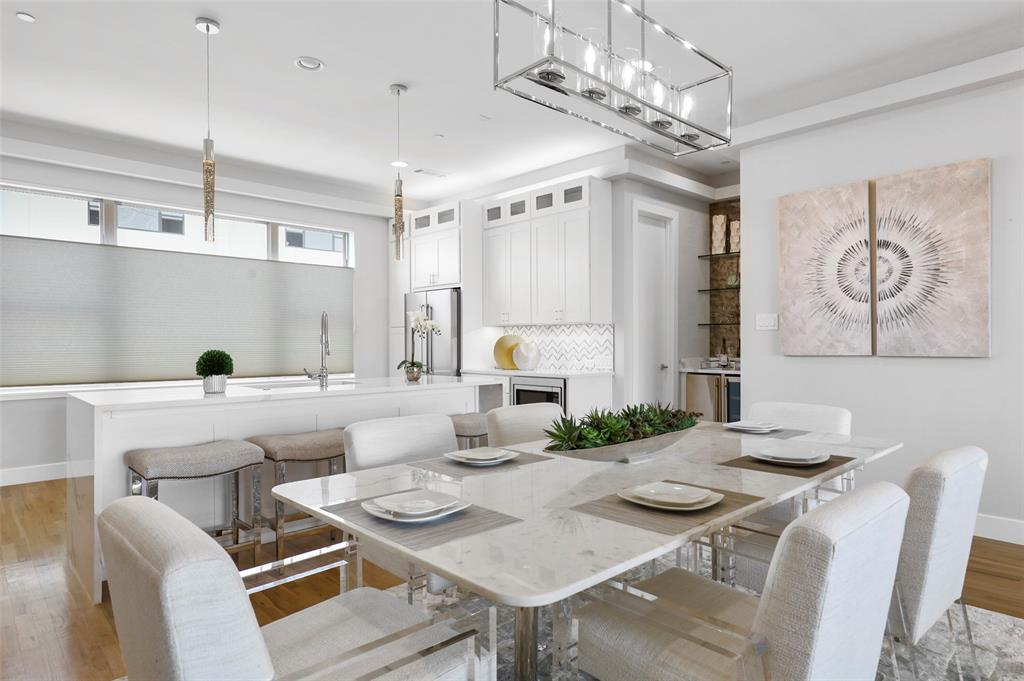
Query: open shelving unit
(723, 285)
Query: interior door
(519, 282)
(548, 282)
(496, 273)
(654, 377)
(574, 239)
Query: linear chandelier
(611, 64)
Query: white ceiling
(136, 69)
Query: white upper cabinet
(561, 268)
(565, 196)
(436, 259)
(506, 211)
(507, 275)
(436, 218)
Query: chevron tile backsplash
(571, 347)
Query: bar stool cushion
(314, 446)
(473, 424)
(195, 461)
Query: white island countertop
(158, 398)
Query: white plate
(668, 493)
(416, 502)
(788, 450)
(481, 454)
(791, 462)
(712, 499)
(373, 509)
(751, 426)
(458, 456)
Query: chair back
(383, 442)
(944, 495)
(180, 607)
(520, 423)
(818, 418)
(827, 594)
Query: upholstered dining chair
(182, 613)
(520, 423)
(944, 495)
(754, 549)
(822, 615)
(389, 441)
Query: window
(315, 246)
(149, 219)
(94, 213)
(47, 216)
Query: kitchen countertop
(156, 398)
(539, 372)
(711, 371)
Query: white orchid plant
(420, 326)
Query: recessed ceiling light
(26, 17)
(399, 164)
(309, 64)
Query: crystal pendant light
(209, 27)
(399, 227)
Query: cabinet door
(548, 283)
(517, 208)
(574, 240)
(424, 261)
(422, 221)
(544, 201)
(495, 270)
(519, 274)
(573, 194)
(398, 283)
(494, 214)
(449, 255)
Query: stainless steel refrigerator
(440, 353)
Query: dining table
(551, 526)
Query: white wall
(929, 404)
(692, 274)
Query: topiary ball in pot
(215, 366)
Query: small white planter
(215, 384)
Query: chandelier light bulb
(687, 106)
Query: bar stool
(147, 467)
(470, 429)
(321, 445)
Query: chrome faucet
(325, 349)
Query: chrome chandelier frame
(678, 142)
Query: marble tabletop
(556, 552)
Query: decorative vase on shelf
(526, 356)
(503, 351)
(413, 374)
(734, 236)
(215, 366)
(215, 384)
(718, 234)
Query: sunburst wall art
(931, 239)
(824, 277)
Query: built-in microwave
(533, 390)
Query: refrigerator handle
(430, 342)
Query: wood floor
(50, 630)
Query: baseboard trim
(1000, 528)
(25, 474)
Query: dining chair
(822, 615)
(389, 441)
(182, 612)
(748, 566)
(944, 495)
(520, 423)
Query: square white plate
(460, 457)
(481, 454)
(373, 509)
(668, 493)
(708, 501)
(787, 450)
(791, 462)
(416, 502)
(751, 426)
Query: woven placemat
(751, 464)
(613, 507)
(419, 536)
(446, 466)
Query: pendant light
(399, 228)
(209, 27)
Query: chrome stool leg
(897, 594)
(280, 477)
(234, 507)
(257, 513)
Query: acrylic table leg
(526, 644)
(564, 634)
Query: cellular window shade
(84, 313)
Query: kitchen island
(103, 425)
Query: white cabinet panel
(424, 261)
(519, 274)
(495, 270)
(574, 232)
(547, 270)
(436, 259)
(449, 255)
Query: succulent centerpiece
(601, 428)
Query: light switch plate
(767, 321)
